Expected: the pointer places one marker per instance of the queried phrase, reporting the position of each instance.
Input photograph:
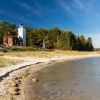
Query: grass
(22, 48)
(7, 62)
(17, 51)
(21, 51)
(38, 53)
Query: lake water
(73, 80)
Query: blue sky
(80, 16)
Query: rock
(34, 80)
(16, 89)
(14, 84)
(17, 93)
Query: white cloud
(95, 38)
(65, 6)
(80, 4)
(14, 16)
(2, 12)
(36, 8)
(50, 11)
(84, 4)
(96, 41)
(71, 6)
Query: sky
(79, 16)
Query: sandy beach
(12, 79)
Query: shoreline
(11, 86)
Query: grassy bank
(33, 52)
(7, 62)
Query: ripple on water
(76, 80)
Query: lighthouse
(22, 35)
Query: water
(73, 80)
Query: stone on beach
(34, 80)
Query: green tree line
(55, 38)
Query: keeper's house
(19, 38)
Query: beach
(49, 50)
(12, 79)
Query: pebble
(34, 80)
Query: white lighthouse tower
(22, 34)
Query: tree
(6, 27)
(73, 41)
(54, 38)
(68, 40)
(89, 44)
(36, 36)
(81, 43)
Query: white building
(22, 35)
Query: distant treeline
(54, 38)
